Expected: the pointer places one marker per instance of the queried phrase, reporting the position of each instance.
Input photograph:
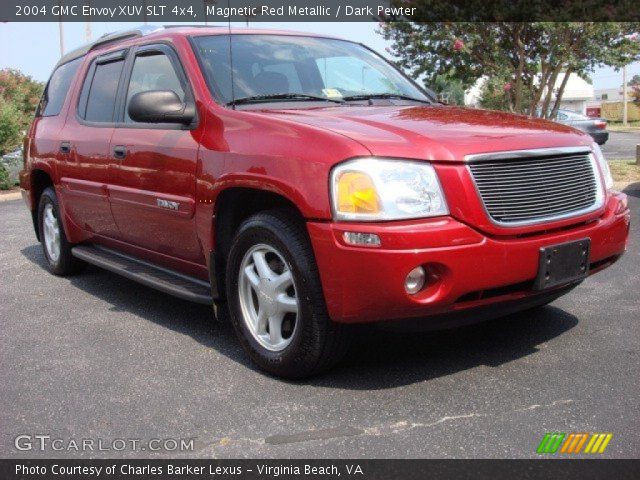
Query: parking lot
(98, 356)
(621, 145)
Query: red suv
(303, 184)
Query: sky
(34, 48)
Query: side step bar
(154, 276)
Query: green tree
(532, 58)
(449, 90)
(19, 96)
(10, 126)
(634, 83)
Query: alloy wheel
(51, 230)
(268, 298)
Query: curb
(5, 197)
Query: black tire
(317, 343)
(66, 264)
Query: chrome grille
(522, 190)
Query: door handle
(119, 151)
(65, 147)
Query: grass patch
(625, 170)
(617, 126)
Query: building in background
(577, 94)
(607, 103)
(610, 95)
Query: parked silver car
(596, 127)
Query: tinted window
(101, 97)
(152, 72)
(57, 88)
(351, 73)
(273, 64)
(285, 71)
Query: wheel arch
(39, 181)
(233, 205)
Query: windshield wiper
(393, 96)
(281, 96)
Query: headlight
(604, 166)
(369, 189)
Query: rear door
(85, 166)
(152, 193)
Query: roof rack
(181, 25)
(106, 39)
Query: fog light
(361, 239)
(415, 280)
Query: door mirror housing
(160, 106)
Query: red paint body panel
(291, 152)
(160, 164)
(367, 284)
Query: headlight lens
(604, 166)
(368, 189)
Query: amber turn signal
(357, 193)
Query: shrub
(10, 126)
(19, 95)
(5, 184)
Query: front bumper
(364, 284)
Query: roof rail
(181, 25)
(106, 39)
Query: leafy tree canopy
(528, 59)
(19, 96)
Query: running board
(146, 273)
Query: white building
(577, 93)
(472, 96)
(612, 94)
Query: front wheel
(275, 298)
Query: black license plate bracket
(563, 263)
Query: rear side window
(98, 97)
(57, 87)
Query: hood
(435, 132)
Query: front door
(152, 190)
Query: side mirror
(160, 106)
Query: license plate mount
(563, 263)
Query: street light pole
(624, 96)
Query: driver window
(152, 72)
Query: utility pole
(61, 31)
(87, 26)
(624, 97)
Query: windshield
(266, 65)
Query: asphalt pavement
(621, 145)
(100, 357)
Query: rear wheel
(56, 247)
(275, 298)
